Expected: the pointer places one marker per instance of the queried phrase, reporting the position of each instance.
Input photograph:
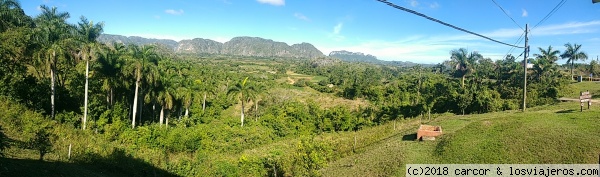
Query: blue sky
(366, 26)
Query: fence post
(354, 147)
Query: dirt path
(576, 100)
(291, 80)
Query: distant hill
(239, 46)
(354, 56)
(367, 58)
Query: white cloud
(414, 3)
(337, 28)
(434, 5)
(157, 16)
(567, 28)
(174, 12)
(524, 14)
(301, 16)
(273, 2)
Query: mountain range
(348, 56)
(238, 46)
(249, 46)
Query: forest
(66, 97)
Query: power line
(443, 23)
(507, 14)
(558, 6)
(513, 48)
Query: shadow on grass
(117, 164)
(409, 137)
(565, 111)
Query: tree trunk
(256, 110)
(242, 117)
(85, 103)
(203, 102)
(111, 97)
(572, 65)
(429, 113)
(463, 81)
(162, 114)
(167, 119)
(53, 90)
(187, 112)
(135, 101)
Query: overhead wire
(507, 14)
(558, 6)
(443, 23)
(518, 42)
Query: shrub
(4, 142)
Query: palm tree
(242, 91)
(111, 64)
(138, 57)
(464, 62)
(12, 15)
(545, 61)
(258, 89)
(53, 33)
(88, 33)
(573, 53)
(165, 99)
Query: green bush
(4, 142)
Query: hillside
(558, 134)
(237, 46)
(367, 58)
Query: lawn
(556, 134)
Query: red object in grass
(428, 131)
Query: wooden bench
(585, 97)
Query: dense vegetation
(120, 105)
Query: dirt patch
(291, 81)
(486, 123)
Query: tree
(572, 54)
(242, 91)
(53, 35)
(138, 57)
(88, 33)
(41, 142)
(464, 62)
(3, 142)
(12, 15)
(545, 61)
(594, 68)
(111, 65)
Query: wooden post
(394, 124)
(590, 98)
(354, 147)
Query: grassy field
(593, 87)
(554, 134)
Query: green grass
(593, 87)
(555, 134)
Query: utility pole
(525, 68)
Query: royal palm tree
(111, 65)
(573, 53)
(54, 34)
(242, 91)
(12, 15)
(545, 61)
(138, 57)
(88, 33)
(464, 62)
